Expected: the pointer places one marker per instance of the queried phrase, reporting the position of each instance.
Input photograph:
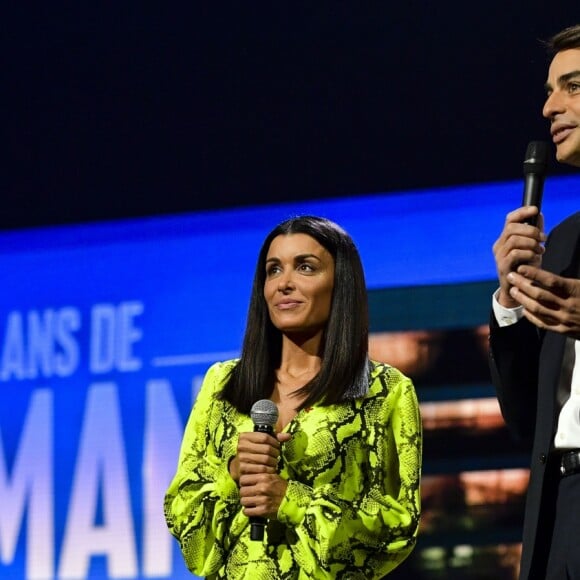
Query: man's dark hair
(344, 349)
(564, 40)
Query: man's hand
(550, 302)
(519, 243)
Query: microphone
(534, 174)
(264, 414)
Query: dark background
(121, 109)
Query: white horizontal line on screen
(193, 359)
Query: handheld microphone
(264, 414)
(534, 174)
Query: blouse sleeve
(202, 498)
(375, 524)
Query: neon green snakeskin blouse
(352, 504)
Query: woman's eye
(307, 267)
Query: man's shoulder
(568, 229)
(563, 247)
(572, 223)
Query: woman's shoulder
(221, 369)
(383, 369)
(217, 375)
(384, 377)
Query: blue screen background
(107, 329)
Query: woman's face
(299, 284)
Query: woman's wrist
(234, 468)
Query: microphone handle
(533, 188)
(257, 527)
(257, 523)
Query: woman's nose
(285, 282)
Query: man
(535, 342)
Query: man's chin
(569, 155)
(574, 161)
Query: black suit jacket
(525, 366)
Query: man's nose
(554, 104)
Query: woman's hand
(255, 469)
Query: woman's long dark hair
(344, 371)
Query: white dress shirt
(568, 432)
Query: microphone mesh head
(264, 412)
(536, 157)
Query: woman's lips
(288, 305)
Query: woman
(338, 482)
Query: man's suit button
(543, 458)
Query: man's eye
(573, 87)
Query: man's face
(562, 106)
